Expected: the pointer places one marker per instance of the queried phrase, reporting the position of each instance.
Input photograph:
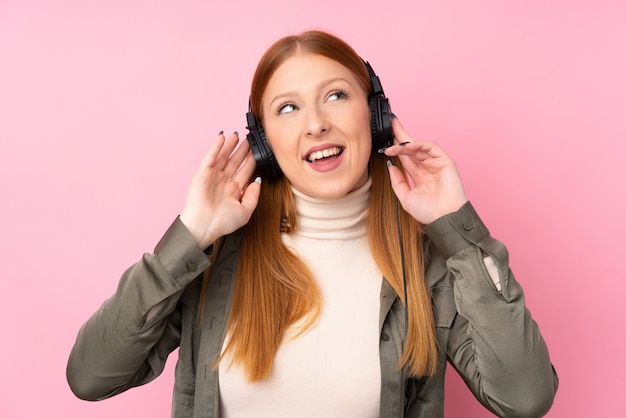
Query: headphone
(380, 125)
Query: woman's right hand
(221, 198)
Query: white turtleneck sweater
(333, 370)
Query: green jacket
(488, 336)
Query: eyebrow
(319, 86)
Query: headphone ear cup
(266, 165)
(380, 122)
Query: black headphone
(380, 124)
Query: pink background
(107, 107)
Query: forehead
(306, 70)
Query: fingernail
(404, 143)
(258, 180)
(221, 133)
(382, 150)
(392, 115)
(389, 163)
(236, 133)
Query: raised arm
(493, 341)
(126, 342)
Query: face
(317, 120)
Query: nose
(316, 123)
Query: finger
(399, 183)
(227, 149)
(214, 150)
(417, 151)
(246, 170)
(406, 145)
(250, 197)
(236, 159)
(400, 134)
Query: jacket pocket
(444, 308)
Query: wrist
(197, 230)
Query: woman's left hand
(432, 186)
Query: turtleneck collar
(333, 219)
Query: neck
(342, 218)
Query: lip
(325, 165)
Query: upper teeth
(318, 155)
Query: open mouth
(325, 154)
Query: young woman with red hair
(309, 292)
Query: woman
(287, 298)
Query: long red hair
(274, 288)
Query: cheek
(278, 140)
(365, 132)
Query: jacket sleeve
(126, 342)
(493, 343)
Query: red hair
(274, 288)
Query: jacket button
(468, 226)
(384, 337)
(392, 385)
(192, 267)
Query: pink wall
(107, 107)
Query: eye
(338, 95)
(286, 108)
